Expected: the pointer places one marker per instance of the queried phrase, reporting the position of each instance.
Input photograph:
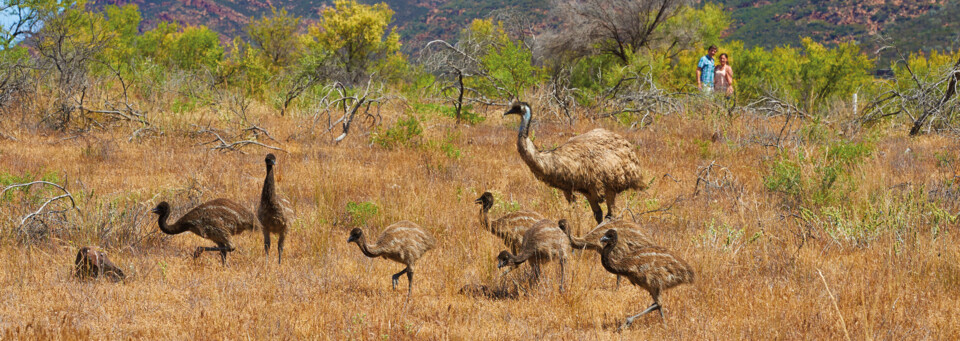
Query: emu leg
(280, 240)
(618, 282)
(266, 244)
(562, 262)
(223, 248)
(655, 306)
(396, 276)
(595, 206)
(611, 202)
(409, 283)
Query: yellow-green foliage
(357, 35)
(508, 63)
(275, 38)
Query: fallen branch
(223, 145)
(39, 211)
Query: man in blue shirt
(705, 69)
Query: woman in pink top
(723, 79)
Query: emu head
(355, 235)
(564, 226)
(503, 259)
(485, 200)
(162, 208)
(270, 160)
(518, 108)
(609, 238)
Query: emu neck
(485, 218)
(175, 229)
(519, 259)
(528, 151)
(577, 242)
(268, 186)
(369, 251)
(605, 256)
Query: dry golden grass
(758, 264)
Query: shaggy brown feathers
(215, 220)
(510, 227)
(543, 242)
(403, 242)
(630, 238)
(270, 213)
(92, 264)
(598, 164)
(652, 268)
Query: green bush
(362, 212)
(403, 133)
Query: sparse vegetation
(769, 196)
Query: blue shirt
(706, 68)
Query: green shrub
(361, 213)
(402, 133)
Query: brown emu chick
(270, 213)
(652, 268)
(630, 236)
(216, 220)
(542, 243)
(510, 227)
(92, 264)
(598, 164)
(403, 242)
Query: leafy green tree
(357, 37)
(275, 37)
(508, 69)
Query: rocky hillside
(764, 23)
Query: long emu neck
(369, 251)
(520, 258)
(176, 228)
(485, 217)
(528, 151)
(576, 242)
(268, 186)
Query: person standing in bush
(705, 70)
(723, 78)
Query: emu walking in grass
(541, 243)
(630, 238)
(510, 227)
(216, 220)
(270, 212)
(403, 242)
(652, 268)
(598, 164)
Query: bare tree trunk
(951, 91)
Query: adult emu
(598, 164)
(215, 220)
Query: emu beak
(271, 162)
(478, 201)
(604, 239)
(501, 264)
(351, 239)
(513, 111)
(155, 210)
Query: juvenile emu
(652, 268)
(510, 227)
(542, 243)
(270, 213)
(630, 238)
(92, 264)
(598, 164)
(403, 242)
(215, 220)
